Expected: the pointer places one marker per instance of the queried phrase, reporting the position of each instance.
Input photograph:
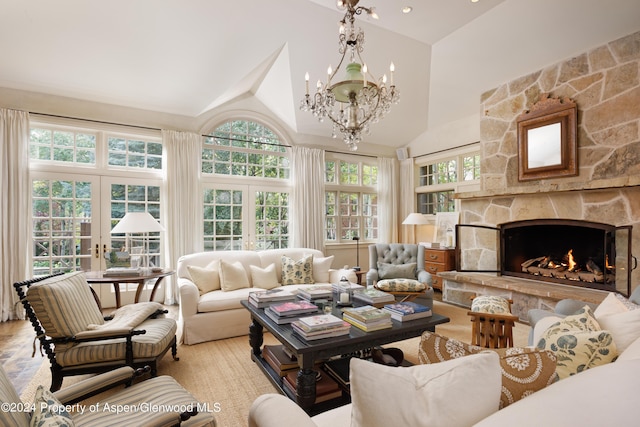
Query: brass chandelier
(358, 100)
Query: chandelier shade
(360, 98)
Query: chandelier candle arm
(356, 101)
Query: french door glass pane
(135, 198)
(222, 219)
(272, 220)
(61, 226)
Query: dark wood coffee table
(309, 352)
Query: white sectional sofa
(218, 314)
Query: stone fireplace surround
(605, 84)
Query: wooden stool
(405, 289)
(492, 329)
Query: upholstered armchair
(393, 263)
(78, 340)
(167, 403)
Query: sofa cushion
(233, 276)
(396, 271)
(297, 272)
(524, 370)
(321, 268)
(160, 333)
(579, 343)
(454, 393)
(264, 278)
(207, 279)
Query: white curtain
(407, 197)
(388, 200)
(182, 201)
(15, 210)
(307, 198)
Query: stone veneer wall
(605, 84)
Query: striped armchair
(79, 340)
(158, 401)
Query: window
(57, 145)
(245, 148)
(351, 200)
(134, 153)
(440, 178)
(245, 169)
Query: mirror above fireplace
(547, 145)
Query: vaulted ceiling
(192, 57)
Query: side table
(438, 260)
(100, 277)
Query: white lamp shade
(137, 222)
(415, 219)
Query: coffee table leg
(306, 386)
(255, 337)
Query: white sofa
(218, 314)
(598, 361)
(601, 396)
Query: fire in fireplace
(572, 252)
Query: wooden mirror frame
(549, 112)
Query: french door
(245, 217)
(72, 218)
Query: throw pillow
(524, 370)
(611, 305)
(321, 268)
(233, 276)
(48, 411)
(207, 279)
(624, 327)
(579, 343)
(455, 393)
(297, 272)
(265, 278)
(396, 271)
(490, 304)
(542, 325)
(632, 352)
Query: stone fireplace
(605, 84)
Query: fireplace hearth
(571, 252)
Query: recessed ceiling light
(407, 9)
(475, 1)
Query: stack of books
(314, 293)
(326, 387)
(265, 298)
(123, 271)
(279, 360)
(407, 310)
(289, 311)
(339, 369)
(320, 326)
(368, 318)
(373, 296)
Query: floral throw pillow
(579, 343)
(49, 411)
(524, 370)
(297, 272)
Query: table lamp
(138, 222)
(415, 219)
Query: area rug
(222, 374)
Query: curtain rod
(447, 149)
(204, 136)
